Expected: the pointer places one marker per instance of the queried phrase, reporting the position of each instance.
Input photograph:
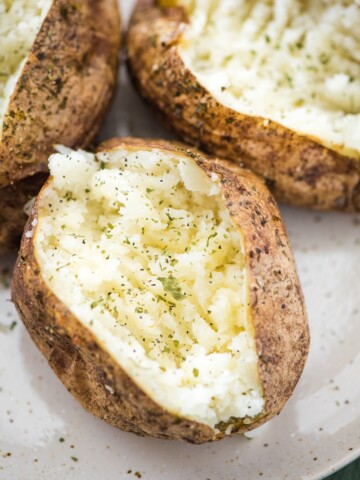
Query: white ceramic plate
(45, 434)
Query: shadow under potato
(13, 198)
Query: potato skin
(275, 297)
(298, 169)
(13, 198)
(61, 96)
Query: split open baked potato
(161, 287)
(58, 64)
(275, 84)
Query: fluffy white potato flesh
(20, 22)
(292, 61)
(140, 246)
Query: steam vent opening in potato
(137, 245)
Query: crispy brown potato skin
(277, 310)
(64, 88)
(298, 169)
(61, 97)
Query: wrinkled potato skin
(275, 298)
(62, 94)
(299, 170)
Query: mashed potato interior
(292, 61)
(20, 22)
(140, 246)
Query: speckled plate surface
(45, 434)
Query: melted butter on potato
(294, 62)
(20, 22)
(141, 248)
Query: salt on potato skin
(79, 350)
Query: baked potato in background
(161, 288)
(59, 64)
(198, 63)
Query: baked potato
(58, 65)
(161, 288)
(275, 85)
